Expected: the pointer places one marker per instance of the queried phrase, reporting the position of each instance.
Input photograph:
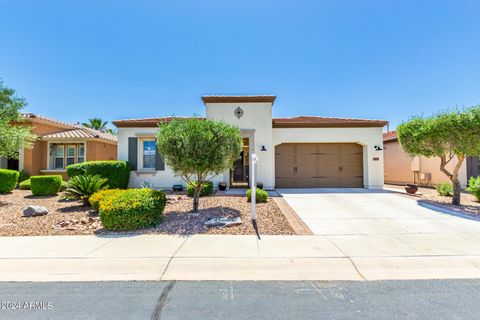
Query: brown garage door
(319, 165)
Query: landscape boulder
(223, 222)
(33, 211)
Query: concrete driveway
(371, 212)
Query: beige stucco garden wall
(399, 167)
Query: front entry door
(239, 173)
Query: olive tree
(13, 136)
(447, 135)
(198, 149)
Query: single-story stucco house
(296, 152)
(60, 144)
(401, 168)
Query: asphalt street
(432, 299)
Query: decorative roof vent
(238, 112)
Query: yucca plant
(82, 187)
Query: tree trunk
(456, 191)
(196, 197)
(86, 203)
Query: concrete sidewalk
(209, 257)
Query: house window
(64, 155)
(148, 153)
(81, 153)
(70, 155)
(59, 153)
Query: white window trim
(140, 153)
(74, 154)
(55, 157)
(51, 165)
(84, 152)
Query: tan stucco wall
(35, 159)
(101, 151)
(398, 167)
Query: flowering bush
(132, 209)
(98, 197)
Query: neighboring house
(297, 152)
(60, 144)
(401, 168)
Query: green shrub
(260, 195)
(98, 197)
(132, 209)
(474, 187)
(117, 172)
(445, 189)
(64, 186)
(45, 185)
(25, 185)
(206, 190)
(23, 176)
(8, 180)
(83, 187)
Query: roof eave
(239, 99)
(331, 125)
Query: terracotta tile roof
(318, 122)
(54, 122)
(71, 131)
(390, 136)
(147, 122)
(238, 98)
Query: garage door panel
(327, 171)
(328, 160)
(305, 160)
(320, 165)
(328, 148)
(304, 172)
(285, 182)
(351, 171)
(284, 171)
(351, 160)
(284, 160)
(349, 148)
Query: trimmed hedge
(25, 185)
(98, 197)
(45, 185)
(261, 196)
(8, 180)
(132, 209)
(206, 190)
(117, 172)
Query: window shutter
(159, 164)
(133, 153)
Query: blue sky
(121, 59)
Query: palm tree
(96, 123)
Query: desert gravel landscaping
(71, 218)
(469, 205)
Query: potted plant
(222, 186)
(411, 188)
(260, 185)
(177, 187)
